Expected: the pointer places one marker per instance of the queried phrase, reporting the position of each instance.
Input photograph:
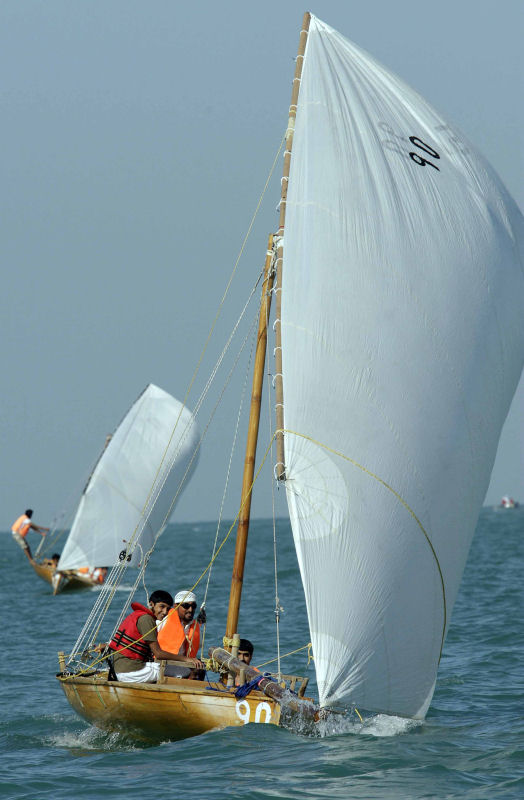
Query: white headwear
(185, 596)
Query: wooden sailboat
(399, 286)
(117, 489)
(176, 708)
(66, 580)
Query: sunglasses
(188, 605)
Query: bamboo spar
(251, 447)
(279, 389)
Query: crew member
(180, 634)
(52, 561)
(135, 644)
(245, 651)
(97, 574)
(21, 528)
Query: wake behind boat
(139, 453)
(388, 417)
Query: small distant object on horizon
(508, 502)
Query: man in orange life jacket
(181, 634)
(135, 644)
(21, 528)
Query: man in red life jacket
(21, 528)
(181, 634)
(135, 644)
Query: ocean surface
(471, 745)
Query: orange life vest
(96, 574)
(19, 526)
(171, 636)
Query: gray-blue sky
(136, 139)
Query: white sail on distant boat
(143, 460)
(400, 288)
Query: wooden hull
(66, 581)
(44, 572)
(173, 710)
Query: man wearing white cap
(179, 633)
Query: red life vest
(128, 639)
(171, 636)
(19, 526)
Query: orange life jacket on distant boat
(97, 574)
(128, 639)
(171, 635)
(22, 525)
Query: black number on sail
(426, 149)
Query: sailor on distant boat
(21, 528)
(97, 574)
(508, 502)
(180, 634)
(52, 561)
(135, 644)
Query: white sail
(402, 344)
(149, 455)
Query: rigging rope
(91, 629)
(226, 482)
(78, 649)
(307, 647)
(105, 598)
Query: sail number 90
(417, 158)
(243, 710)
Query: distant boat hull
(62, 581)
(176, 709)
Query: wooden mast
(258, 373)
(251, 447)
(279, 389)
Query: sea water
(470, 746)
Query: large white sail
(148, 457)
(402, 344)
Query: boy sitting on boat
(135, 644)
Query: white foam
(380, 725)
(91, 739)
(384, 725)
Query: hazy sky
(136, 140)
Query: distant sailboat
(400, 289)
(508, 502)
(139, 453)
